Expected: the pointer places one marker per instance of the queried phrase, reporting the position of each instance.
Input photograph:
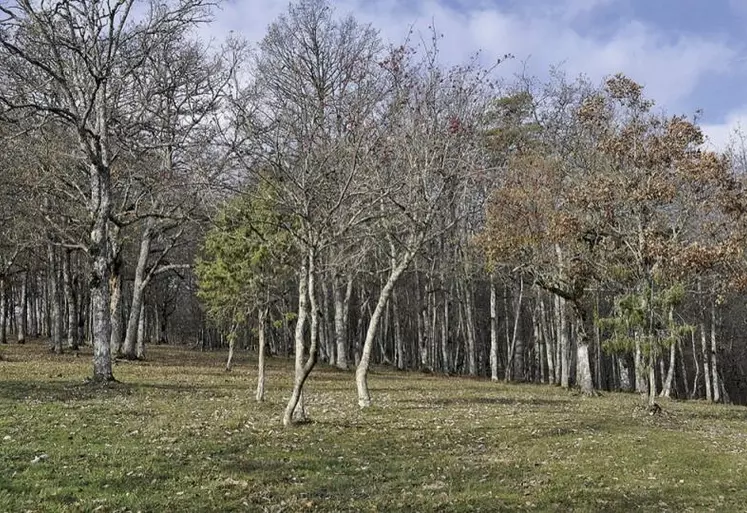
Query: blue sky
(690, 54)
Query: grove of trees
(331, 196)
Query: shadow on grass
(62, 391)
(441, 402)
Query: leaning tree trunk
(260, 396)
(232, 336)
(510, 360)
(361, 373)
(306, 291)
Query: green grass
(179, 434)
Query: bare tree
(76, 62)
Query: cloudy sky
(689, 54)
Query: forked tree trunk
(306, 291)
(129, 349)
(361, 373)
(260, 396)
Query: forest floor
(179, 434)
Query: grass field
(179, 434)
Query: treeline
(327, 195)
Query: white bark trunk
(493, 330)
(340, 331)
(129, 349)
(666, 389)
(260, 396)
(21, 319)
(99, 283)
(306, 295)
(716, 386)
(54, 299)
(3, 312)
(72, 304)
(471, 337)
(361, 373)
(563, 349)
(140, 347)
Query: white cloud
(670, 68)
(720, 135)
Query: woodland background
(327, 195)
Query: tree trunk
(641, 380)
(563, 343)
(470, 319)
(399, 343)
(361, 373)
(716, 387)
(510, 360)
(72, 304)
(23, 301)
(583, 370)
(3, 311)
(549, 342)
(115, 338)
(54, 299)
(99, 283)
(231, 346)
(260, 396)
(493, 330)
(705, 352)
(305, 296)
(129, 349)
(140, 346)
(624, 373)
(445, 332)
(666, 387)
